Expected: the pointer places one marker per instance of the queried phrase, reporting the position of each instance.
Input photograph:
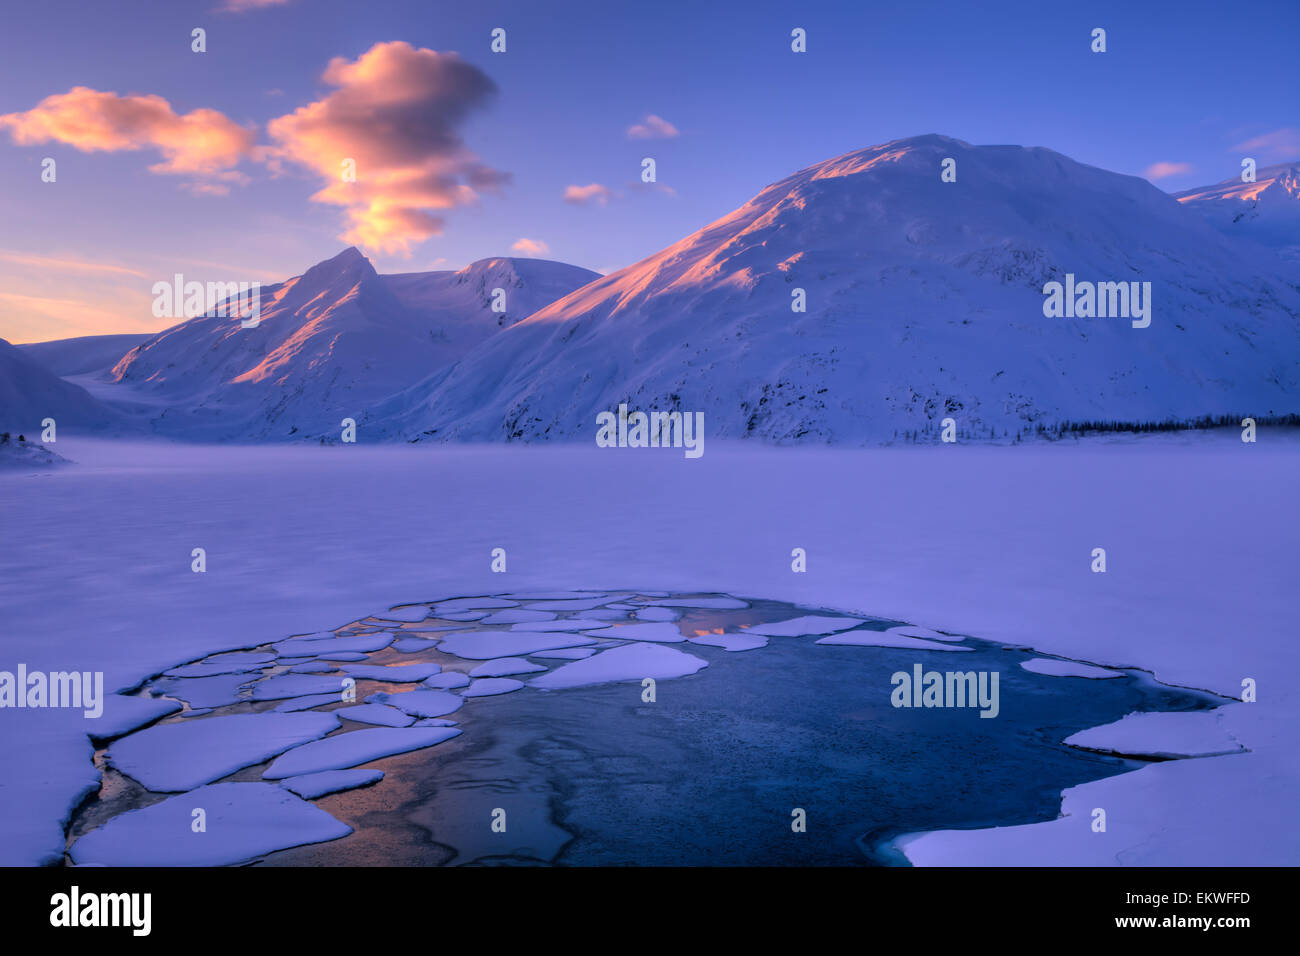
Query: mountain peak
(350, 265)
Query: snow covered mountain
(329, 344)
(924, 300)
(1267, 210)
(30, 393)
(84, 354)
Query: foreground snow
(991, 542)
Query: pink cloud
(65, 265)
(592, 192)
(531, 247)
(1162, 170)
(396, 114)
(202, 143)
(1281, 145)
(653, 127)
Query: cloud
(1281, 145)
(531, 247)
(592, 192)
(1162, 170)
(396, 113)
(203, 143)
(65, 265)
(652, 127)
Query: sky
(228, 164)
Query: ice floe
(182, 756)
(380, 714)
(420, 703)
(520, 615)
(242, 821)
(629, 662)
(720, 604)
(657, 614)
(565, 653)
(314, 647)
(407, 614)
(487, 645)
(1055, 668)
(492, 687)
(883, 639)
(732, 642)
(236, 663)
(659, 632)
(571, 605)
(397, 674)
(297, 685)
(802, 626)
(204, 691)
(565, 624)
(472, 604)
(413, 645)
(1161, 734)
(305, 703)
(925, 633)
(124, 714)
(357, 747)
(309, 786)
(447, 680)
(505, 667)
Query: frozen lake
(706, 774)
(995, 542)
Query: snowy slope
(329, 344)
(84, 354)
(453, 303)
(30, 393)
(1266, 211)
(924, 299)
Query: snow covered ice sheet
(181, 756)
(243, 820)
(357, 747)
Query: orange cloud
(653, 127)
(531, 247)
(1162, 170)
(395, 115)
(592, 192)
(203, 142)
(1282, 145)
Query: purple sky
(227, 164)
